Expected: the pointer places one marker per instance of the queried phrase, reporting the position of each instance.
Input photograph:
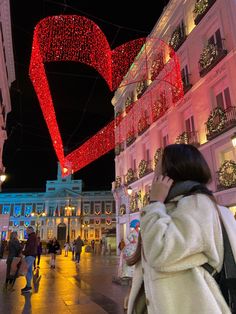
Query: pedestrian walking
(53, 250)
(180, 232)
(79, 243)
(39, 252)
(66, 248)
(30, 252)
(14, 250)
(93, 245)
(73, 250)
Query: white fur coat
(176, 242)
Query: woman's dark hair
(182, 162)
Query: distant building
(202, 34)
(64, 211)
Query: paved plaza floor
(69, 288)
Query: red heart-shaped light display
(76, 38)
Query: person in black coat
(39, 252)
(53, 250)
(14, 250)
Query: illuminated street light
(69, 208)
(38, 214)
(129, 190)
(2, 177)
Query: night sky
(81, 97)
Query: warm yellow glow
(233, 139)
(43, 214)
(129, 190)
(32, 214)
(65, 170)
(233, 209)
(3, 177)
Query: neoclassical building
(7, 77)
(63, 211)
(201, 33)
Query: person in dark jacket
(14, 250)
(79, 243)
(54, 249)
(30, 252)
(39, 252)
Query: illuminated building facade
(64, 211)
(202, 34)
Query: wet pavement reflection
(86, 288)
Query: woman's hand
(160, 189)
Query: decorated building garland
(227, 174)
(182, 138)
(159, 106)
(216, 121)
(208, 55)
(146, 198)
(200, 7)
(130, 175)
(142, 124)
(175, 38)
(157, 156)
(142, 168)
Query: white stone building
(202, 34)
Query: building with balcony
(63, 211)
(154, 113)
(7, 71)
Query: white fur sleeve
(190, 229)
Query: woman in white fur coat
(181, 231)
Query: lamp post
(69, 209)
(37, 215)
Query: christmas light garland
(78, 39)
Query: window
(185, 76)
(216, 39)
(189, 124)
(228, 154)
(165, 140)
(223, 99)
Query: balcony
(177, 38)
(144, 168)
(188, 138)
(131, 176)
(210, 57)
(201, 8)
(220, 121)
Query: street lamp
(129, 190)
(37, 215)
(2, 177)
(69, 209)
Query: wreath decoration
(227, 173)
(130, 175)
(208, 55)
(133, 203)
(97, 221)
(200, 7)
(182, 138)
(157, 156)
(216, 120)
(142, 168)
(146, 198)
(175, 39)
